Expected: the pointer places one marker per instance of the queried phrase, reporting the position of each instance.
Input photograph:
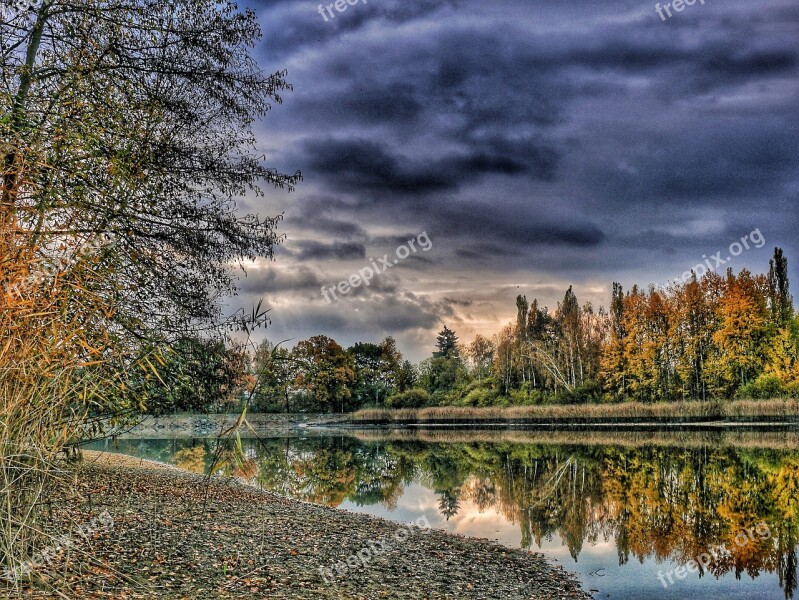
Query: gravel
(178, 535)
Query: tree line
(710, 338)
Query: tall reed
(48, 354)
(628, 410)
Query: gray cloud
(315, 250)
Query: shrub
(482, 397)
(413, 398)
(590, 391)
(763, 388)
(527, 395)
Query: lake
(635, 516)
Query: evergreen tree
(447, 344)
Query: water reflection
(660, 504)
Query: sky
(534, 145)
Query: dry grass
(762, 408)
(626, 410)
(47, 346)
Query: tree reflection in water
(662, 502)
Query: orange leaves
(698, 340)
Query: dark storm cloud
(353, 164)
(558, 142)
(752, 157)
(314, 250)
(365, 164)
(483, 251)
(327, 225)
(481, 222)
(289, 25)
(394, 102)
(752, 63)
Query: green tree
(779, 296)
(481, 353)
(326, 372)
(275, 372)
(377, 370)
(407, 376)
(614, 367)
(441, 377)
(194, 375)
(571, 325)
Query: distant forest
(710, 338)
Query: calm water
(617, 515)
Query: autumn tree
(613, 364)
(480, 353)
(126, 137)
(693, 328)
(782, 355)
(133, 120)
(743, 329)
(640, 380)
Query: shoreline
(784, 417)
(211, 425)
(178, 535)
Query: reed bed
(778, 408)
(46, 356)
